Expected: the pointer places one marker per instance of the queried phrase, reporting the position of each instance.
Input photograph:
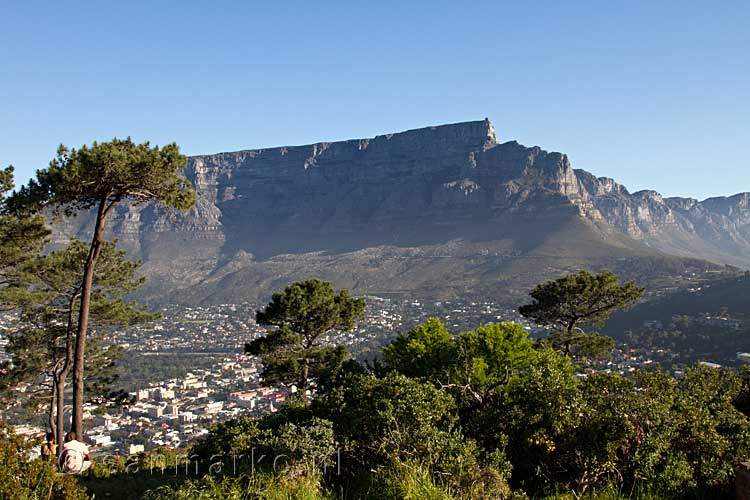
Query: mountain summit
(442, 209)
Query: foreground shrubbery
(482, 415)
(486, 415)
(30, 480)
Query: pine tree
(301, 315)
(98, 178)
(579, 299)
(21, 237)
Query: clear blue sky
(654, 94)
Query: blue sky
(654, 94)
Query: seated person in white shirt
(75, 457)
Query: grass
(130, 486)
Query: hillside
(704, 298)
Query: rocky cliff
(446, 206)
(716, 229)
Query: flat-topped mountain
(444, 210)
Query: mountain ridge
(450, 187)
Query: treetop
(79, 179)
(579, 298)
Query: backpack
(71, 461)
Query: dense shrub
(31, 480)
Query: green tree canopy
(390, 419)
(21, 238)
(105, 174)
(300, 315)
(426, 351)
(474, 364)
(488, 356)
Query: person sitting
(75, 457)
(49, 448)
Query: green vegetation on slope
(705, 297)
(540, 432)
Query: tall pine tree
(98, 178)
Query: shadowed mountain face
(442, 209)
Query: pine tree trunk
(60, 414)
(571, 326)
(305, 376)
(61, 376)
(83, 316)
(51, 412)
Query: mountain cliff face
(716, 229)
(445, 207)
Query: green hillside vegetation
(31, 480)
(481, 415)
(690, 342)
(711, 322)
(730, 293)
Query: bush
(255, 487)
(31, 480)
